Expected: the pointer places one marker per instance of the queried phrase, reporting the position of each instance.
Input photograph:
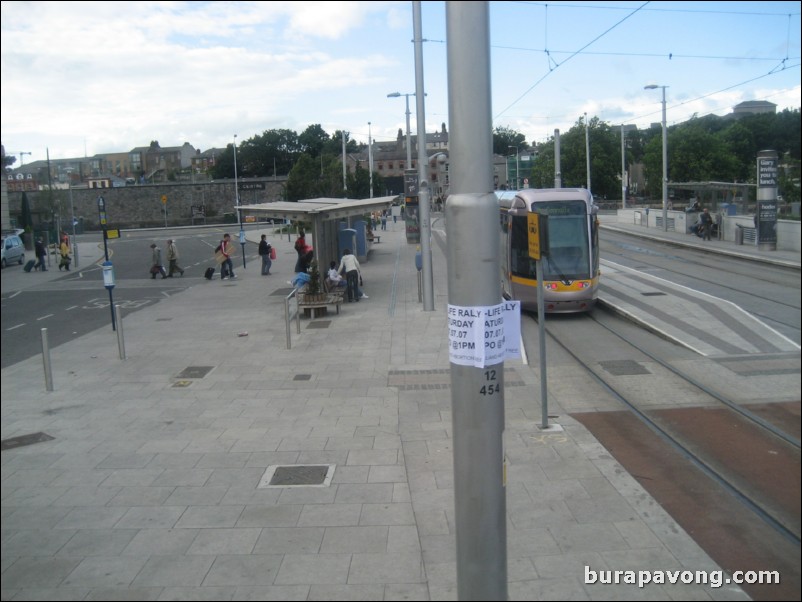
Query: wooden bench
(317, 307)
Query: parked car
(12, 250)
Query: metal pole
(370, 160)
(345, 183)
(409, 140)
(477, 394)
(558, 177)
(541, 328)
(46, 361)
(665, 165)
(239, 211)
(424, 195)
(587, 150)
(623, 170)
(120, 336)
(72, 211)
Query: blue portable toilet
(346, 239)
(361, 250)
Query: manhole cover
(195, 372)
(24, 440)
(624, 367)
(294, 475)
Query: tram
(570, 264)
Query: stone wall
(141, 206)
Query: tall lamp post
(665, 156)
(409, 143)
(236, 196)
(72, 214)
(517, 168)
(370, 160)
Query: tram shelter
(328, 216)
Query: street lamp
(517, 168)
(72, 213)
(665, 156)
(370, 160)
(409, 147)
(236, 196)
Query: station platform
(152, 480)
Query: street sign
(164, 199)
(101, 209)
(533, 227)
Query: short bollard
(120, 336)
(46, 361)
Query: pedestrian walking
(172, 259)
(64, 251)
(300, 249)
(41, 255)
(156, 266)
(350, 265)
(265, 250)
(226, 250)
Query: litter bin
(739, 234)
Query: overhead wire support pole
(473, 256)
(425, 197)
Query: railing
(288, 317)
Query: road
(70, 304)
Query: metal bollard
(46, 361)
(120, 336)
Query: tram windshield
(568, 255)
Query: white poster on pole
(482, 336)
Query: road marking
(15, 327)
(45, 317)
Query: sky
(81, 78)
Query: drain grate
(24, 440)
(653, 294)
(296, 475)
(624, 367)
(302, 377)
(164, 319)
(319, 324)
(195, 371)
(280, 292)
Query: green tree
(25, 220)
(504, 138)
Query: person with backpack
(265, 252)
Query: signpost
(108, 268)
(537, 226)
(766, 211)
(164, 206)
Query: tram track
(718, 273)
(700, 425)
